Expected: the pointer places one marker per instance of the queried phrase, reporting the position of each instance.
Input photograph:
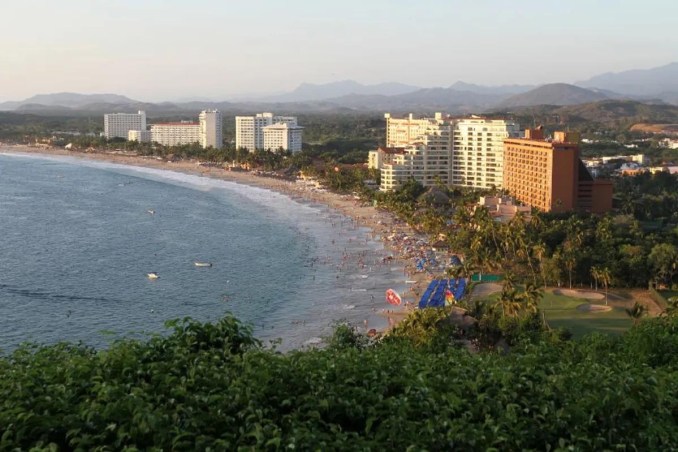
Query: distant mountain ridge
(67, 100)
(553, 94)
(653, 82)
(655, 85)
(310, 91)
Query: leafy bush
(213, 386)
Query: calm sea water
(78, 238)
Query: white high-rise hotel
(462, 152)
(269, 132)
(415, 148)
(211, 125)
(478, 151)
(118, 125)
(207, 131)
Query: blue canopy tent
(434, 295)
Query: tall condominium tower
(249, 130)
(211, 129)
(283, 136)
(118, 125)
(478, 151)
(415, 148)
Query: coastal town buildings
(175, 133)
(118, 125)
(503, 208)
(283, 135)
(548, 174)
(415, 148)
(206, 132)
(211, 125)
(427, 166)
(465, 152)
(478, 151)
(249, 130)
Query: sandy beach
(398, 237)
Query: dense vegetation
(617, 250)
(212, 386)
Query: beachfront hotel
(283, 136)
(415, 148)
(211, 129)
(427, 166)
(118, 125)
(478, 151)
(207, 131)
(175, 133)
(249, 130)
(548, 174)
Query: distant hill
(68, 100)
(658, 82)
(502, 90)
(423, 100)
(552, 94)
(620, 114)
(310, 92)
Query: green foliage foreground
(214, 386)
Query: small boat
(202, 264)
(151, 211)
(152, 275)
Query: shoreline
(398, 237)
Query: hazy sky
(165, 49)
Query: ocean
(78, 239)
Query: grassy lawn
(561, 312)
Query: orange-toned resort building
(548, 174)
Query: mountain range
(658, 85)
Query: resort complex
(463, 152)
(484, 153)
(207, 131)
(266, 131)
(118, 125)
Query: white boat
(202, 264)
(152, 275)
(151, 211)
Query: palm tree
(595, 274)
(636, 312)
(509, 299)
(531, 298)
(570, 261)
(605, 277)
(539, 251)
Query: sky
(154, 50)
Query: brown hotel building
(548, 175)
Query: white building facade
(249, 130)
(175, 133)
(283, 136)
(118, 125)
(427, 166)
(211, 129)
(478, 151)
(417, 148)
(142, 136)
